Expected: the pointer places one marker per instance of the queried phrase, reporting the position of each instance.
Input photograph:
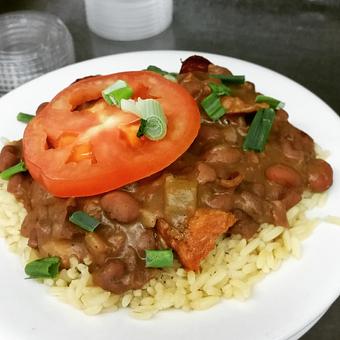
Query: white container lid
(128, 19)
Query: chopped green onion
(150, 110)
(116, 92)
(84, 221)
(213, 107)
(24, 117)
(229, 79)
(8, 173)
(47, 267)
(259, 130)
(272, 102)
(141, 130)
(159, 258)
(156, 69)
(170, 77)
(220, 89)
(167, 75)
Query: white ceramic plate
(282, 305)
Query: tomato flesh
(79, 145)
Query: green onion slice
(159, 258)
(47, 267)
(24, 117)
(151, 111)
(168, 75)
(220, 89)
(213, 107)
(84, 221)
(116, 92)
(272, 102)
(142, 127)
(229, 79)
(259, 130)
(8, 173)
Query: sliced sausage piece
(199, 237)
(320, 175)
(284, 175)
(120, 206)
(8, 157)
(195, 63)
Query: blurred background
(298, 38)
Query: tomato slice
(79, 145)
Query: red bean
(223, 154)
(206, 173)
(209, 133)
(291, 198)
(284, 175)
(120, 206)
(320, 175)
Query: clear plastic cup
(31, 44)
(128, 19)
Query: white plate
(282, 304)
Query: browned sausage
(8, 157)
(195, 63)
(320, 175)
(120, 206)
(283, 175)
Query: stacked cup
(128, 19)
(31, 44)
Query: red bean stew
(215, 188)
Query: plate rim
(175, 53)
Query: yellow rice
(230, 270)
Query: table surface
(300, 39)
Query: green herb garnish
(24, 117)
(259, 130)
(116, 92)
(159, 258)
(84, 221)
(272, 102)
(229, 79)
(47, 267)
(8, 173)
(213, 107)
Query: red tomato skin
(117, 161)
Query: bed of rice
(230, 271)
